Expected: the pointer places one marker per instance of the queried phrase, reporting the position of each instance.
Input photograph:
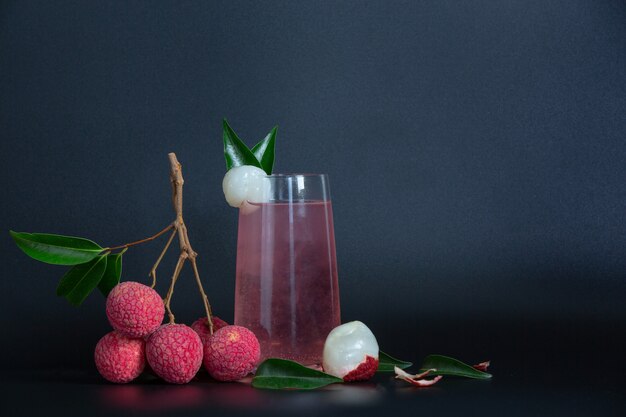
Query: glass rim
(296, 174)
(291, 187)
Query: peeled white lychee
(351, 352)
(246, 183)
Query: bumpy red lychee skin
(120, 358)
(174, 353)
(134, 309)
(231, 353)
(201, 326)
(364, 371)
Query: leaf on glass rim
(285, 374)
(235, 151)
(81, 280)
(264, 151)
(56, 249)
(386, 363)
(444, 365)
(112, 273)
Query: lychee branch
(158, 261)
(179, 228)
(205, 299)
(168, 298)
(186, 251)
(138, 242)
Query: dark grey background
(476, 153)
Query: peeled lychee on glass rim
(231, 353)
(246, 183)
(120, 358)
(134, 309)
(201, 326)
(351, 352)
(174, 353)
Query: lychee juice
(286, 289)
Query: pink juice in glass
(286, 290)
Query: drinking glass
(286, 284)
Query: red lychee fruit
(231, 353)
(201, 326)
(134, 309)
(120, 358)
(174, 353)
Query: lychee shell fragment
(364, 371)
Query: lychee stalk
(158, 261)
(186, 251)
(179, 228)
(144, 240)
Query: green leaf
(80, 281)
(56, 249)
(285, 374)
(386, 363)
(235, 151)
(445, 365)
(112, 273)
(264, 151)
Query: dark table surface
(541, 368)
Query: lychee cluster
(175, 352)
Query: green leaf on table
(112, 273)
(56, 249)
(386, 363)
(264, 151)
(235, 151)
(284, 374)
(445, 365)
(81, 280)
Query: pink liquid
(286, 290)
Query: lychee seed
(201, 326)
(231, 353)
(174, 353)
(134, 309)
(120, 358)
